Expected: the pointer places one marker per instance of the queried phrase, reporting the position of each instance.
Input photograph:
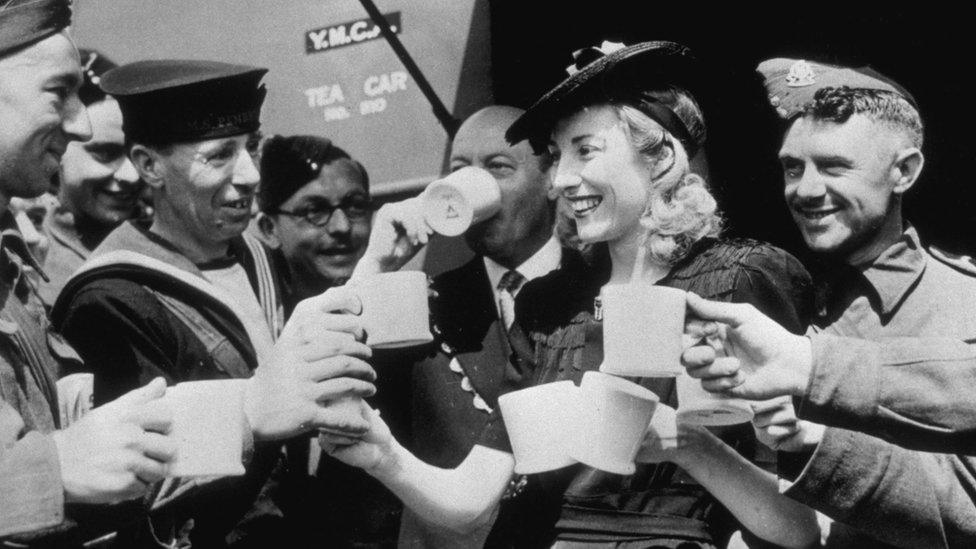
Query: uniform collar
(59, 223)
(13, 242)
(543, 261)
(894, 273)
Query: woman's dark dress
(660, 505)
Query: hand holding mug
(399, 232)
(368, 452)
(316, 364)
(118, 449)
(764, 359)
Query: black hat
(23, 22)
(93, 65)
(175, 100)
(792, 83)
(289, 163)
(615, 73)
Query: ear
(267, 230)
(906, 168)
(147, 163)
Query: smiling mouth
(583, 205)
(242, 204)
(815, 214)
(338, 252)
(122, 194)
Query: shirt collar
(543, 261)
(60, 225)
(897, 270)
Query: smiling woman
(623, 130)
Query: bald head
(524, 222)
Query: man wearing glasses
(316, 210)
(193, 298)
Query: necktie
(509, 284)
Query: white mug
(613, 415)
(208, 424)
(700, 407)
(395, 309)
(540, 427)
(643, 326)
(463, 198)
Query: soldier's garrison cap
(792, 83)
(24, 22)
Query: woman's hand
(667, 439)
(399, 232)
(374, 450)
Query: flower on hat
(585, 56)
(801, 74)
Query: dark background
(930, 53)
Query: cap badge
(585, 56)
(801, 74)
(89, 72)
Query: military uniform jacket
(31, 493)
(902, 497)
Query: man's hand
(399, 232)
(764, 360)
(372, 451)
(315, 367)
(777, 426)
(118, 449)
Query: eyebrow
(503, 155)
(70, 79)
(834, 160)
(318, 200)
(213, 146)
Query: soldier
(112, 454)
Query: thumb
(729, 313)
(148, 392)
(337, 299)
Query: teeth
(242, 203)
(581, 205)
(818, 214)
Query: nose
(127, 172)
(245, 171)
(810, 186)
(338, 223)
(75, 122)
(567, 177)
